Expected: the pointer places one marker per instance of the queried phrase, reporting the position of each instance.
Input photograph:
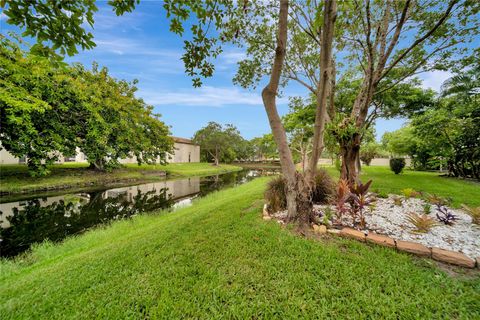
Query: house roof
(183, 140)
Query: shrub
(397, 165)
(381, 194)
(276, 194)
(410, 193)
(324, 187)
(473, 212)
(422, 223)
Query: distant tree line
(48, 108)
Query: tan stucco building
(184, 151)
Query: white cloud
(434, 79)
(232, 57)
(204, 96)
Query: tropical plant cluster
(50, 109)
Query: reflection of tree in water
(213, 183)
(35, 223)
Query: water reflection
(26, 222)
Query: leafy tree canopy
(49, 109)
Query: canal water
(25, 222)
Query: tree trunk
(97, 165)
(350, 152)
(323, 87)
(298, 203)
(216, 156)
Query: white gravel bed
(389, 219)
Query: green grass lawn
(461, 191)
(219, 259)
(15, 178)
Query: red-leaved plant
(353, 200)
(359, 200)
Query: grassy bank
(218, 259)
(15, 178)
(461, 191)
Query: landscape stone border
(442, 255)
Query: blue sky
(139, 46)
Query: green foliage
(410, 193)
(338, 164)
(327, 216)
(221, 143)
(368, 152)
(397, 165)
(427, 208)
(264, 147)
(49, 109)
(61, 25)
(381, 194)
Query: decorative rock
(321, 229)
(414, 248)
(267, 218)
(451, 257)
(265, 212)
(333, 231)
(352, 233)
(380, 240)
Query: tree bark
(323, 89)
(350, 151)
(299, 204)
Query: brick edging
(446, 256)
(442, 255)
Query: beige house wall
(183, 152)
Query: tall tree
(218, 142)
(395, 40)
(47, 109)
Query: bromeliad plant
(422, 223)
(473, 212)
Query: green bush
(275, 195)
(397, 165)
